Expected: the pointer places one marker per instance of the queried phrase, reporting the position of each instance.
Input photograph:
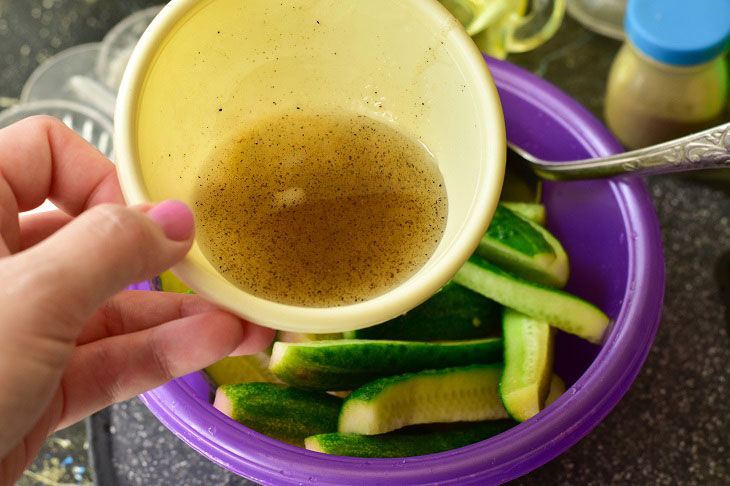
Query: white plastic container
(259, 58)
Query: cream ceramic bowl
(206, 69)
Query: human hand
(71, 341)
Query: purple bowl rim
(512, 453)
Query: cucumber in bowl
(532, 211)
(528, 361)
(473, 361)
(560, 309)
(453, 313)
(406, 444)
(524, 248)
(467, 393)
(349, 363)
(281, 412)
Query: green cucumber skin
(512, 231)
(535, 212)
(392, 445)
(373, 389)
(348, 363)
(561, 309)
(557, 274)
(524, 248)
(528, 364)
(454, 313)
(283, 413)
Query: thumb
(64, 279)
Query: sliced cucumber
(348, 363)
(524, 248)
(461, 394)
(557, 388)
(405, 445)
(453, 313)
(528, 364)
(241, 369)
(560, 309)
(281, 412)
(170, 283)
(535, 212)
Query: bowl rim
(516, 451)
(419, 287)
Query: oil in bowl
(320, 209)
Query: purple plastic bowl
(611, 234)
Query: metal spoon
(709, 149)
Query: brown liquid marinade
(320, 210)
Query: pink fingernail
(175, 219)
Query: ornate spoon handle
(709, 149)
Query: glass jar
(670, 78)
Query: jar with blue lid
(670, 78)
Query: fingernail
(175, 219)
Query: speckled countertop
(673, 425)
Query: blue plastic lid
(680, 32)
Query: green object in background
(520, 183)
(499, 27)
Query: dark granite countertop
(673, 425)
